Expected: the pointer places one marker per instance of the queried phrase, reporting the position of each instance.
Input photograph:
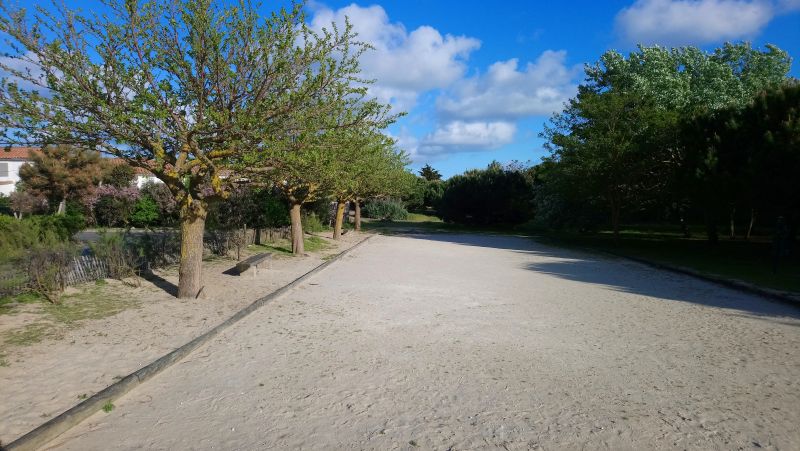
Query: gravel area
(473, 342)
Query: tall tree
(649, 93)
(178, 87)
(428, 173)
(372, 166)
(60, 173)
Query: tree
(619, 141)
(23, 202)
(372, 166)
(430, 174)
(61, 173)
(495, 195)
(119, 175)
(303, 161)
(178, 87)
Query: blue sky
(479, 79)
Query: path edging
(66, 420)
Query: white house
(12, 158)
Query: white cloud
(507, 91)
(28, 65)
(404, 63)
(461, 136)
(697, 21)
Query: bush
(496, 195)
(145, 212)
(385, 209)
(156, 249)
(5, 205)
(47, 268)
(167, 208)
(118, 255)
(312, 223)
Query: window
(3, 169)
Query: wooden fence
(88, 268)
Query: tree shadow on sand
(626, 276)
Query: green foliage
(430, 174)
(61, 173)
(5, 205)
(165, 202)
(644, 138)
(495, 195)
(385, 209)
(145, 212)
(271, 211)
(312, 223)
(114, 211)
(119, 175)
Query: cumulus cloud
(507, 91)
(404, 63)
(28, 65)
(697, 21)
(461, 136)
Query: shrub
(112, 206)
(385, 209)
(495, 195)
(156, 249)
(120, 257)
(145, 212)
(167, 208)
(312, 223)
(47, 268)
(5, 205)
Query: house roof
(17, 153)
(24, 154)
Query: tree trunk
(190, 272)
(752, 223)
(297, 229)
(337, 225)
(62, 206)
(358, 215)
(257, 237)
(733, 224)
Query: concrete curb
(66, 420)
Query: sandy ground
(474, 342)
(44, 379)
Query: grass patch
(312, 244)
(7, 303)
(93, 302)
(30, 334)
(419, 217)
(315, 244)
(748, 261)
(280, 247)
(108, 407)
(3, 361)
(90, 302)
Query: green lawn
(311, 243)
(748, 261)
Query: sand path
(468, 341)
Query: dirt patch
(52, 356)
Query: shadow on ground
(625, 276)
(161, 282)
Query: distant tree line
(677, 136)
